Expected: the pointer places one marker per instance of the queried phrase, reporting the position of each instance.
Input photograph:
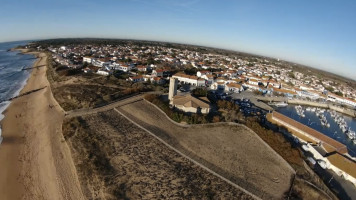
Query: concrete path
(87, 111)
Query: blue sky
(318, 33)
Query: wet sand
(35, 160)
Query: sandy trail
(35, 160)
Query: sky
(317, 33)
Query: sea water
(12, 78)
(333, 131)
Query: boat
(305, 147)
(281, 104)
(322, 164)
(311, 160)
(300, 110)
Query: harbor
(332, 124)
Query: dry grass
(233, 151)
(117, 160)
(73, 96)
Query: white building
(234, 87)
(192, 80)
(100, 62)
(103, 72)
(87, 59)
(335, 98)
(125, 68)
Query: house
(234, 87)
(191, 104)
(252, 81)
(231, 73)
(285, 92)
(158, 80)
(251, 87)
(201, 73)
(187, 79)
(125, 68)
(157, 72)
(274, 84)
(209, 78)
(87, 59)
(305, 87)
(136, 79)
(101, 62)
(103, 72)
(142, 68)
(218, 86)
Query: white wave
(3, 106)
(22, 85)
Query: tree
(329, 88)
(200, 92)
(291, 75)
(191, 71)
(339, 93)
(216, 119)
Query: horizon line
(182, 43)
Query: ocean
(333, 131)
(12, 78)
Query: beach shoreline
(36, 161)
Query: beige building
(191, 104)
(342, 166)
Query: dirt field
(233, 151)
(117, 160)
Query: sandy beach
(36, 162)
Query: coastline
(36, 162)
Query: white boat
(350, 135)
(305, 147)
(281, 104)
(322, 164)
(311, 160)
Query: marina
(335, 125)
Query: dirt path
(234, 152)
(35, 161)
